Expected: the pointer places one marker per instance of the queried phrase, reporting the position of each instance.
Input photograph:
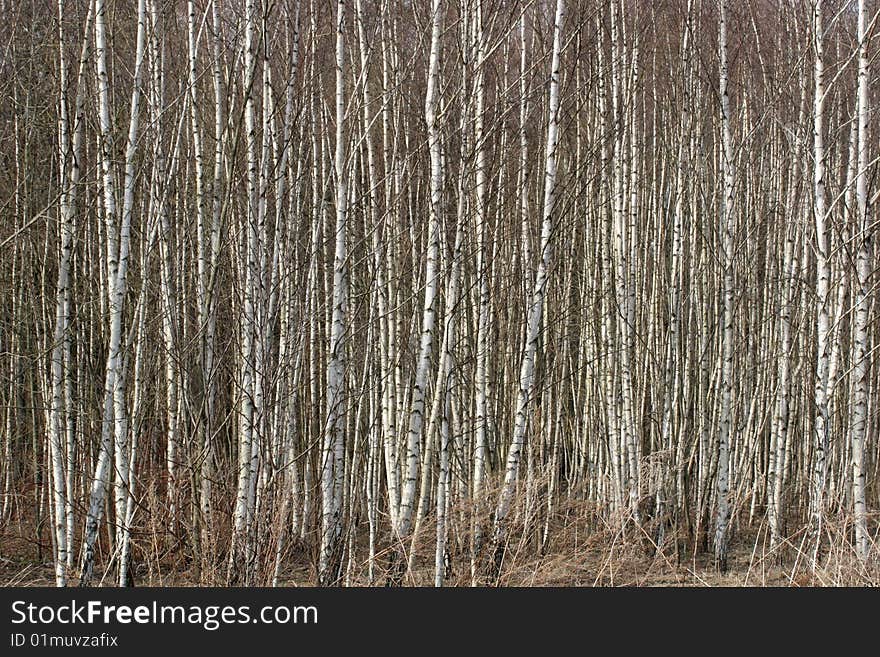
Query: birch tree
(823, 275)
(334, 433)
(864, 253)
(309, 329)
(118, 228)
(727, 338)
(526, 382)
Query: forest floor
(23, 564)
(574, 554)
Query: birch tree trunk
(115, 424)
(60, 440)
(862, 292)
(725, 385)
(334, 432)
(536, 306)
(429, 311)
(823, 276)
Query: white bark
(536, 306)
(482, 355)
(726, 419)
(114, 429)
(60, 427)
(248, 439)
(861, 344)
(332, 463)
(823, 275)
(429, 311)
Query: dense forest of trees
(404, 291)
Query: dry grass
(577, 546)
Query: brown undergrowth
(577, 545)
